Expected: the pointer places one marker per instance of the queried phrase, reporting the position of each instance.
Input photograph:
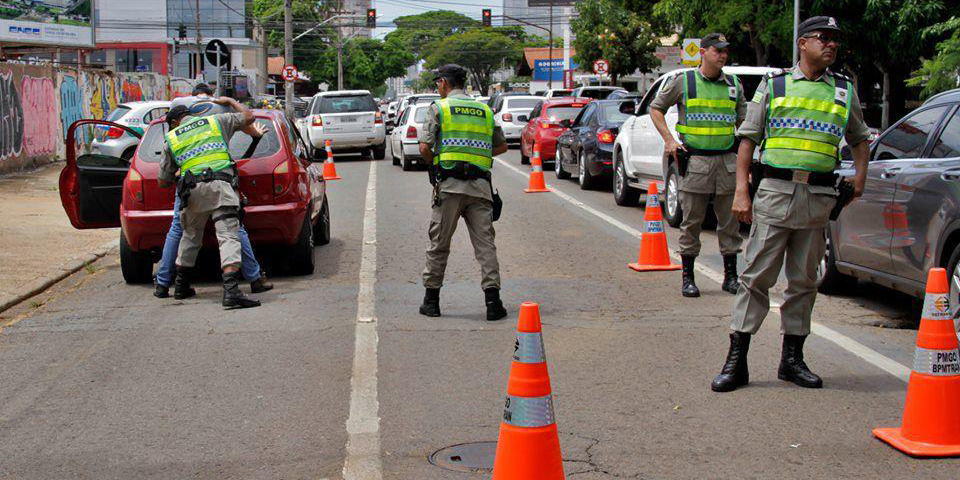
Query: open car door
(91, 184)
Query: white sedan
(404, 146)
(513, 115)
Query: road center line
(856, 348)
(363, 424)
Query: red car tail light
(507, 117)
(317, 121)
(135, 188)
(281, 178)
(606, 136)
(378, 118)
(114, 132)
(549, 125)
(411, 132)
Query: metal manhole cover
(466, 457)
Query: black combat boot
(181, 284)
(689, 288)
(730, 280)
(233, 297)
(161, 291)
(495, 310)
(734, 373)
(261, 284)
(431, 303)
(792, 367)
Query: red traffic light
(487, 15)
(371, 18)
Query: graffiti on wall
(132, 92)
(11, 117)
(39, 101)
(71, 103)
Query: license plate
(349, 119)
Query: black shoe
(730, 280)
(233, 297)
(431, 303)
(161, 291)
(689, 288)
(792, 367)
(495, 310)
(734, 373)
(181, 284)
(261, 284)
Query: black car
(587, 147)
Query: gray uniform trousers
(476, 212)
(210, 200)
(706, 176)
(788, 231)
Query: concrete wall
(38, 104)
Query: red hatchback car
(286, 194)
(546, 124)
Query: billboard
(542, 69)
(64, 23)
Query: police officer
(710, 106)
(198, 147)
(798, 117)
(459, 140)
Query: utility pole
(288, 52)
(339, 56)
(566, 42)
(199, 64)
(796, 26)
(550, 61)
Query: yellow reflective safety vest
(805, 122)
(710, 120)
(198, 145)
(466, 133)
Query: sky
(387, 10)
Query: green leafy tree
(481, 52)
(606, 29)
(367, 64)
(420, 33)
(942, 72)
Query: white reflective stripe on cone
(936, 306)
(529, 348)
(941, 363)
(528, 411)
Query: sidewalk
(37, 243)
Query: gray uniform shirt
(431, 128)
(229, 124)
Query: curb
(68, 268)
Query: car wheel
(558, 167)
(954, 275)
(136, 267)
(393, 155)
(623, 193)
(380, 151)
(524, 160)
(672, 212)
(587, 181)
(321, 231)
(829, 279)
(301, 261)
(407, 163)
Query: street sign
(690, 52)
(601, 67)
(217, 53)
(289, 73)
(568, 79)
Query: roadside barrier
(654, 255)
(931, 419)
(329, 169)
(528, 447)
(537, 184)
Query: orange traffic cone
(654, 255)
(528, 447)
(536, 176)
(931, 419)
(329, 169)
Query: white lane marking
(858, 349)
(363, 424)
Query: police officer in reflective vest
(198, 148)
(459, 140)
(710, 106)
(798, 118)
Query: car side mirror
(523, 119)
(628, 108)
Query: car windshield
(152, 145)
(118, 112)
(561, 93)
(610, 113)
(555, 114)
(345, 104)
(512, 103)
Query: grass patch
(36, 304)
(90, 269)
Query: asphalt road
(101, 380)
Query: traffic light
(371, 18)
(182, 32)
(487, 14)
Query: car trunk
(357, 122)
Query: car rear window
(611, 113)
(345, 104)
(596, 94)
(421, 115)
(555, 114)
(152, 145)
(419, 100)
(561, 93)
(522, 102)
(118, 112)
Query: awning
(532, 54)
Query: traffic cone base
(516, 461)
(931, 419)
(654, 255)
(329, 168)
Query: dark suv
(908, 219)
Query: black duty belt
(820, 179)
(464, 171)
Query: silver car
(116, 142)
(908, 219)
